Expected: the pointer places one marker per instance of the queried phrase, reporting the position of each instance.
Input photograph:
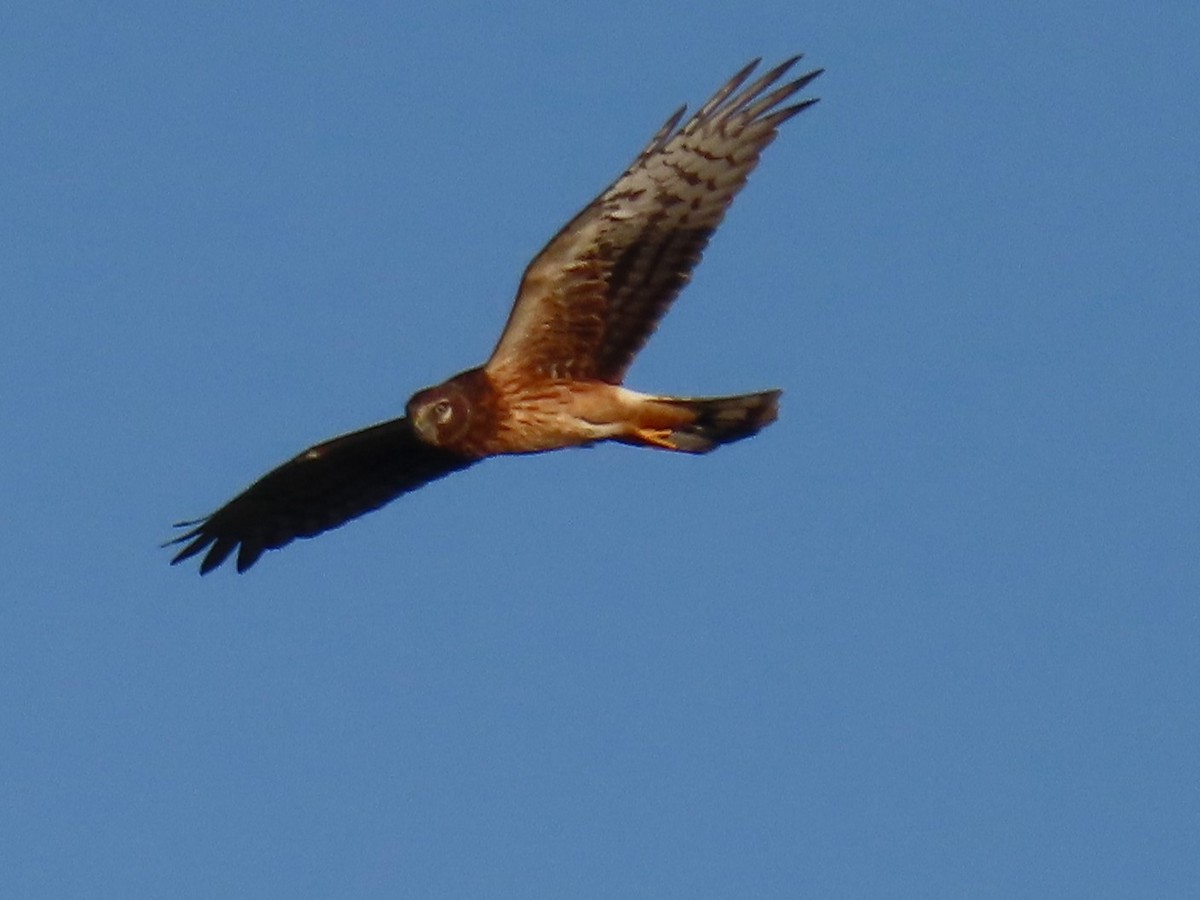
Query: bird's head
(441, 415)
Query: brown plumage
(586, 305)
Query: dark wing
(590, 300)
(322, 488)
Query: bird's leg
(656, 437)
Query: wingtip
(776, 72)
(197, 545)
(197, 541)
(248, 555)
(748, 68)
(775, 119)
(216, 555)
(808, 77)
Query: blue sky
(932, 634)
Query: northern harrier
(585, 306)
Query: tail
(721, 420)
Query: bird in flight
(585, 306)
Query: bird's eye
(443, 411)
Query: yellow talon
(657, 437)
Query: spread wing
(325, 486)
(591, 298)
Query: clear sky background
(935, 633)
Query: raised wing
(594, 295)
(325, 486)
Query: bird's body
(492, 417)
(586, 305)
